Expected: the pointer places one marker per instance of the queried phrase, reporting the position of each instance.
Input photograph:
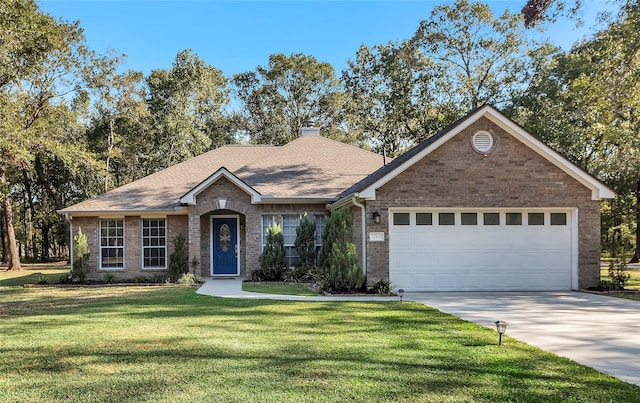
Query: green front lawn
(169, 344)
(29, 275)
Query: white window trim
(124, 245)
(142, 247)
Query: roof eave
(296, 200)
(179, 210)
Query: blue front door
(225, 247)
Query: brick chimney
(309, 130)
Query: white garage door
(481, 250)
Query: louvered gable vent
(482, 141)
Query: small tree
(338, 261)
(272, 260)
(80, 266)
(179, 259)
(306, 248)
(306, 242)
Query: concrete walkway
(596, 331)
(232, 288)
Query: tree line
(74, 125)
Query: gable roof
(366, 188)
(310, 167)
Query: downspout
(363, 221)
(71, 245)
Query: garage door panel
(479, 257)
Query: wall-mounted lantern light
(376, 217)
(501, 327)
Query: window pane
(400, 218)
(289, 225)
(514, 218)
(424, 219)
(321, 222)
(558, 218)
(153, 243)
(267, 221)
(536, 218)
(112, 243)
(469, 219)
(446, 218)
(292, 256)
(491, 218)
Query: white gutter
(363, 220)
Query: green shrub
(159, 278)
(80, 266)
(141, 279)
(188, 279)
(381, 286)
(179, 259)
(300, 274)
(618, 276)
(605, 285)
(110, 278)
(273, 262)
(338, 268)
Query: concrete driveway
(597, 331)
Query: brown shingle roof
(311, 166)
(308, 167)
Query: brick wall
(133, 249)
(89, 226)
(512, 175)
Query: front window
(154, 243)
(112, 244)
(289, 223)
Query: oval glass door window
(225, 237)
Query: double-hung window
(112, 244)
(154, 243)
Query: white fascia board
(599, 191)
(345, 201)
(190, 197)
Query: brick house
(482, 205)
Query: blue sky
(237, 36)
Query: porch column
(194, 240)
